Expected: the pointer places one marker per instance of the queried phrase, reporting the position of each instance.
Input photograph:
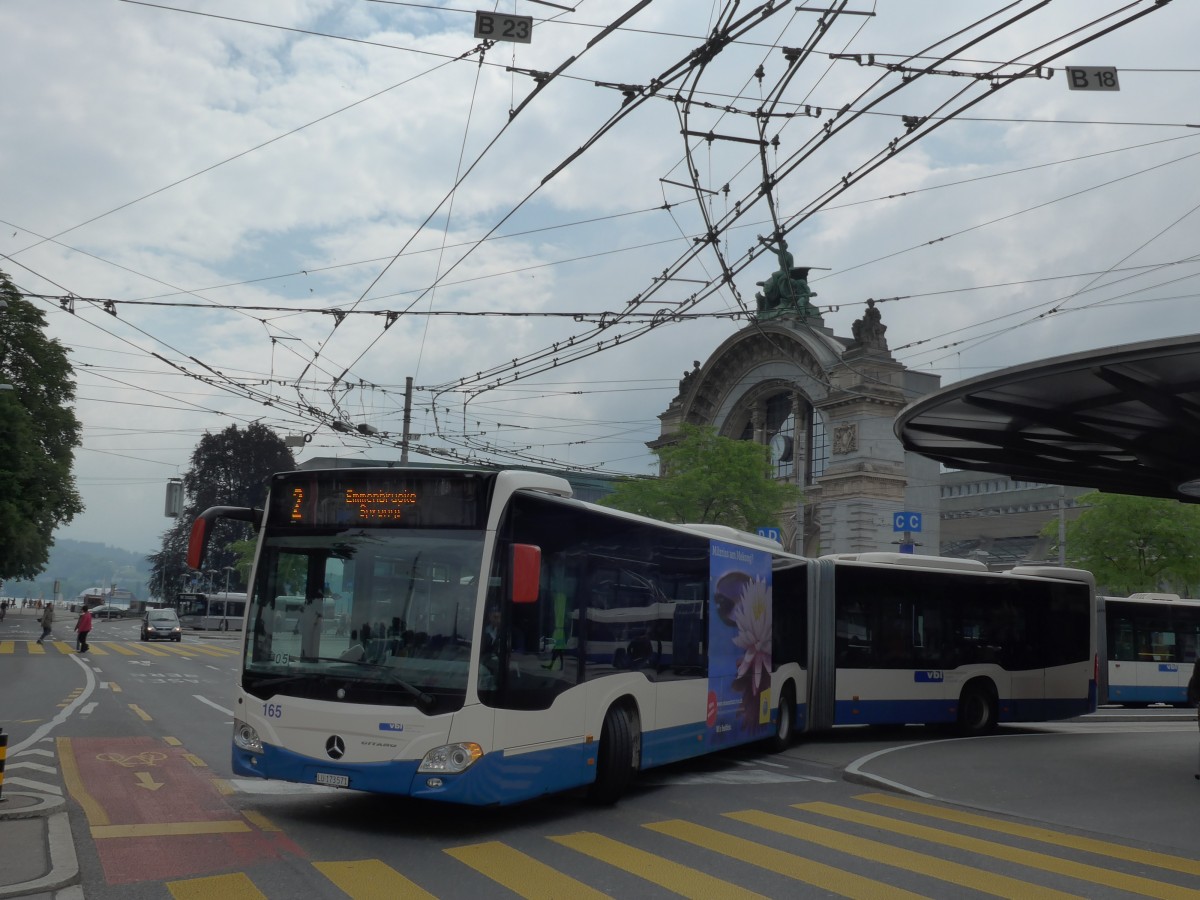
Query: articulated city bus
(1149, 644)
(497, 640)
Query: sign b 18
(1092, 78)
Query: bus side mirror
(202, 528)
(198, 542)
(526, 573)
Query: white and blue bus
(497, 640)
(219, 611)
(1149, 644)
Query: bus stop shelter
(1122, 419)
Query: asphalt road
(136, 736)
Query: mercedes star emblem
(335, 747)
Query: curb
(64, 864)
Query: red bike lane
(156, 811)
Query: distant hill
(78, 565)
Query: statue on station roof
(786, 292)
(869, 330)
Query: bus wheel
(782, 739)
(977, 710)
(616, 760)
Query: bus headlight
(451, 758)
(245, 737)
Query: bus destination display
(419, 503)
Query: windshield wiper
(425, 701)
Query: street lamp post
(228, 570)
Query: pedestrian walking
(47, 621)
(3, 609)
(84, 628)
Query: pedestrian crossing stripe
(656, 869)
(120, 648)
(525, 875)
(1029, 858)
(370, 879)
(798, 868)
(1043, 835)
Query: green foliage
(37, 440)
(229, 468)
(709, 479)
(1135, 543)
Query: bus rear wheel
(977, 710)
(617, 758)
(786, 721)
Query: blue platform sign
(769, 532)
(906, 521)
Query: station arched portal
(824, 406)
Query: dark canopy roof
(1123, 419)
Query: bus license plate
(333, 780)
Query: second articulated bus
(211, 612)
(496, 640)
(1149, 644)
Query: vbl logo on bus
(927, 675)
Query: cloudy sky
(280, 211)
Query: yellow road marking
(261, 822)
(121, 648)
(7, 646)
(195, 760)
(836, 881)
(94, 812)
(370, 879)
(93, 650)
(141, 713)
(114, 687)
(658, 870)
(216, 887)
(172, 742)
(62, 646)
(1089, 845)
(169, 829)
(1094, 874)
(521, 873)
(35, 648)
(185, 652)
(225, 789)
(149, 651)
(211, 651)
(909, 860)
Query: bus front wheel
(782, 739)
(617, 758)
(977, 710)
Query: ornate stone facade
(825, 406)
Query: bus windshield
(364, 615)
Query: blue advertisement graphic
(739, 642)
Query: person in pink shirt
(83, 627)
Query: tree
(1135, 543)
(38, 434)
(230, 468)
(708, 479)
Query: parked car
(161, 625)
(109, 612)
